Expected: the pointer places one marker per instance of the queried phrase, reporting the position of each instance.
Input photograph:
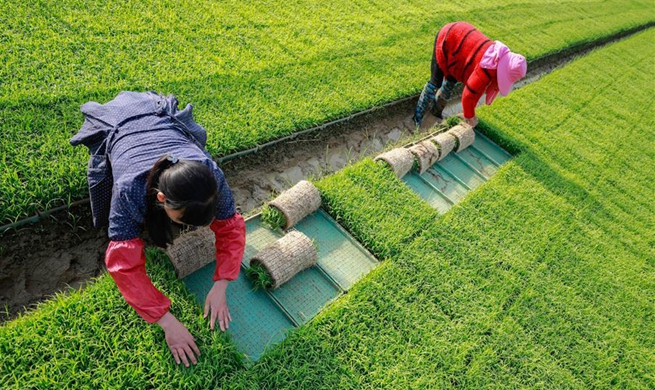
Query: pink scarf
(490, 61)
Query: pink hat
(510, 67)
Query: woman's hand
(179, 340)
(470, 121)
(216, 303)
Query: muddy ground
(57, 253)
(64, 251)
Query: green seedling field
(92, 339)
(254, 70)
(543, 277)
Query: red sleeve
(230, 244)
(126, 263)
(474, 88)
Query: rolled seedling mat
(445, 142)
(426, 153)
(400, 160)
(464, 134)
(286, 257)
(192, 251)
(297, 202)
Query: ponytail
(188, 186)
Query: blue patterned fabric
(126, 136)
(447, 88)
(424, 101)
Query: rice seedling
(261, 278)
(541, 278)
(453, 121)
(273, 217)
(257, 73)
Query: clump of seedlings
(453, 121)
(445, 143)
(273, 217)
(261, 278)
(279, 262)
(456, 144)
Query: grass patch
(541, 278)
(416, 165)
(93, 339)
(261, 278)
(369, 201)
(453, 121)
(273, 217)
(254, 73)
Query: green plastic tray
(262, 318)
(305, 294)
(426, 189)
(447, 182)
(339, 255)
(257, 321)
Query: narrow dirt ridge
(63, 250)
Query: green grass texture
(254, 70)
(92, 339)
(273, 217)
(541, 278)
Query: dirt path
(65, 250)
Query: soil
(39, 260)
(64, 250)
(257, 178)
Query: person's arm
(230, 232)
(126, 263)
(474, 88)
(230, 244)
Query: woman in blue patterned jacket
(148, 169)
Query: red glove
(230, 244)
(126, 263)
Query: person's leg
(430, 88)
(442, 96)
(436, 74)
(447, 87)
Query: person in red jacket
(462, 53)
(149, 169)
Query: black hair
(188, 186)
